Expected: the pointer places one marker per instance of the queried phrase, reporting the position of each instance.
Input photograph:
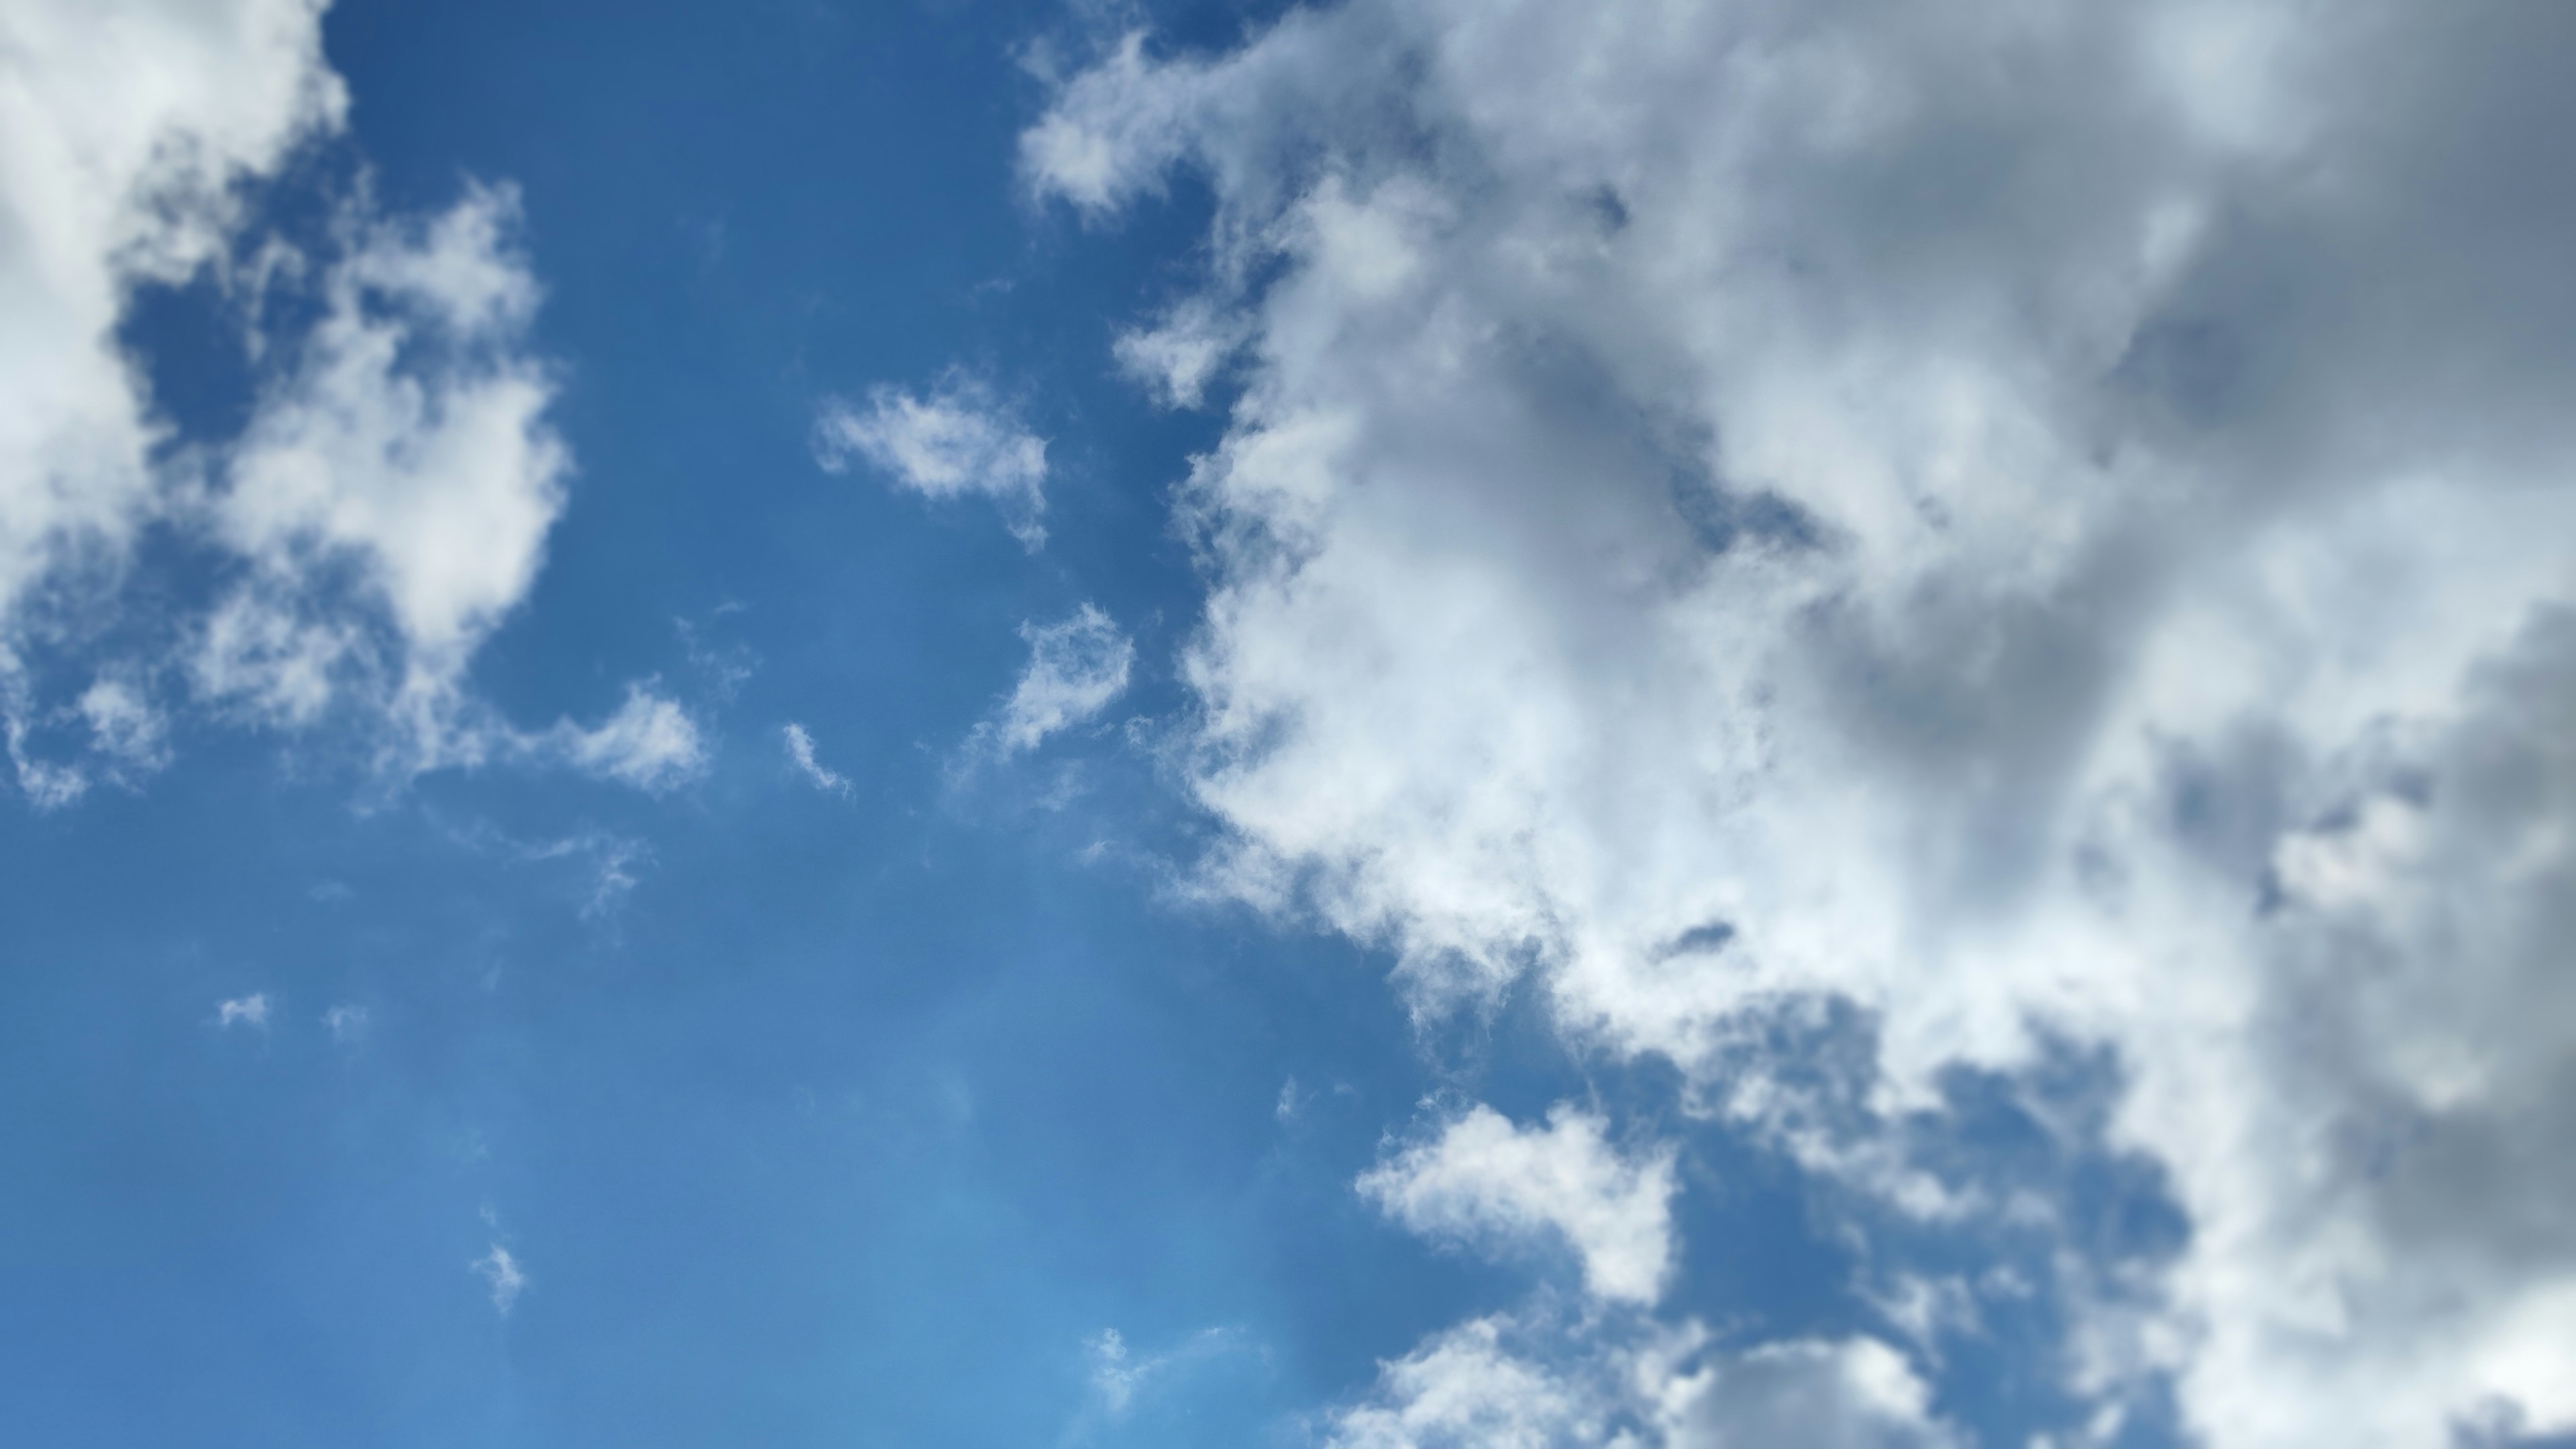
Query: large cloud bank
(2045, 523)
(385, 504)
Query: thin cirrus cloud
(801, 757)
(386, 504)
(2040, 531)
(1077, 667)
(958, 441)
(500, 1271)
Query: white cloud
(800, 754)
(125, 132)
(250, 1011)
(650, 743)
(387, 503)
(347, 1023)
(126, 728)
(1483, 1178)
(501, 1270)
(958, 441)
(1178, 357)
(1528, 1382)
(2020, 520)
(1076, 667)
(1462, 1388)
(410, 445)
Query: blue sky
(1383, 725)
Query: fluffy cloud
(958, 441)
(386, 505)
(408, 449)
(1483, 1177)
(2038, 523)
(1076, 667)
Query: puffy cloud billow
(385, 505)
(2044, 524)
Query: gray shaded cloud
(2050, 523)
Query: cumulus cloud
(958, 441)
(1076, 667)
(386, 505)
(408, 448)
(502, 1272)
(800, 754)
(2036, 524)
(1482, 1177)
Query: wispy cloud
(800, 755)
(500, 1269)
(650, 742)
(1076, 667)
(958, 441)
(250, 1011)
(1120, 1375)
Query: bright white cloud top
(2044, 524)
(386, 504)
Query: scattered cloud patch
(501, 1271)
(1120, 1375)
(1178, 357)
(1483, 1179)
(612, 860)
(338, 561)
(1077, 666)
(126, 729)
(1531, 1381)
(250, 1011)
(347, 1023)
(392, 497)
(800, 755)
(958, 441)
(650, 743)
